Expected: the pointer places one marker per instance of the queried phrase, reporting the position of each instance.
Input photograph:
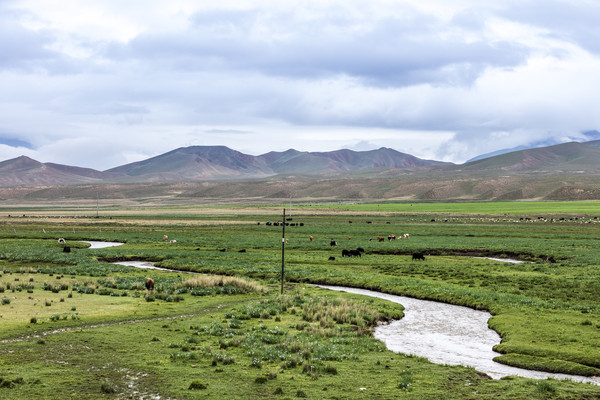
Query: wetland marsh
(308, 342)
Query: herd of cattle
(358, 252)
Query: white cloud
(437, 79)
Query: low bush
(197, 385)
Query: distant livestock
(66, 249)
(380, 239)
(351, 253)
(61, 241)
(331, 258)
(391, 237)
(149, 284)
(333, 243)
(418, 256)
(165, 238)
(311, 238)
(173, 241)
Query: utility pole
(282, 250)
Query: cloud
(437, 79)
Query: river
(442, 333)
(448, 334)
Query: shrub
(33, 320)
(330, 369)
(545, 386)
(5, 300)
(197, 385)
(405, 381)
(107, 388)
(260, 380)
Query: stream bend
(448, 334)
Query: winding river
(442, 333)
(448, 334)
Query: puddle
(449, 334)
(506, 260)
(150, 265)
(101, 245)
(142, 264)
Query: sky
(102, 83)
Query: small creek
(448, 334)
(442, 333)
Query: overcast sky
(101, 83)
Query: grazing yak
(149, 284)
(61, 241)
(66, 249)
(418, 256)
(351, 253)
(333, 243)
(331, 258)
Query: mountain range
(197, 163)
(559, 172)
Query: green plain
(73, 325)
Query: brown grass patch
(208, 281)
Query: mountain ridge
(336, 174)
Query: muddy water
(448, 334)
(100, 245)
(146, 265)
(150, 265)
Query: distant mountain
(425, 179)
(195, 163)
(588, 138)
(26, 171)
(220, 162)
(315, 163)
(560, 158)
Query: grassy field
(73, 325)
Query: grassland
(74, 325)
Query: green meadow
(75, 325)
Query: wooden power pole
(282, 250)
